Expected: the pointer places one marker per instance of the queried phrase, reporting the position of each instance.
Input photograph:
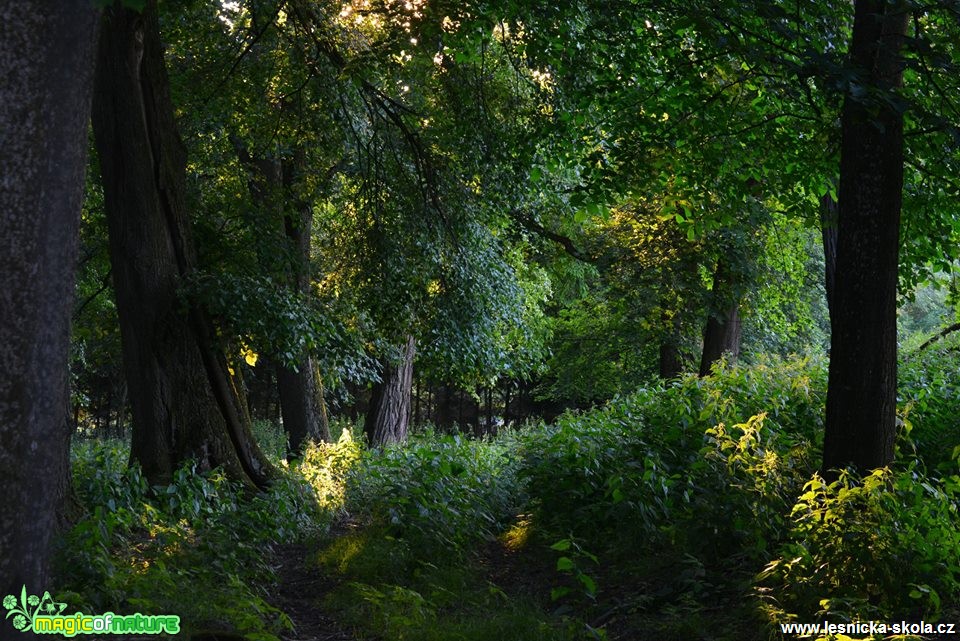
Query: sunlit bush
(880, 547)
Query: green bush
(194, 548)
(660, 466)
(930, 383)
(881, 547)
(437, 490)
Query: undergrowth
(198, 547)
(687, 510)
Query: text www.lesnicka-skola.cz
(867, 627)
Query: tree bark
(722, 332)
(669, 360)
(389, 413)
(46, 62)
(183, 400)
(305, 409)
(861, 396)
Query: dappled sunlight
(517, 536)
(325, 467)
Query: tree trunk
(722, 332)
(272, 183)
(670, 364)
(306, 408)
(183, 400)
(861, 395)
(46, 62)
(389, 412)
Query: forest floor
(304, 586)
(300, 593)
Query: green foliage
(930, 387)
(787, 311)
(877, 548)
(326, 466)
(411, 572)
(194, 547)
(670, 507)
(446, 491)
(439, 602)
(573, 561)
(656, 463)
(284, 324)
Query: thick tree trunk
(669, 360)
(302, 405)
(861, 397)
(722, 332)
(46, 62)
(183, 400)
(389, 412)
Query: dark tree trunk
(184, 403)
(389, 412)
(46, 62)
(829, 213)
(272, 184)
(861, 396)
(506, 402)
(444, 417)
(670, 363)
(417, 390)
(722, 332)
(306, 407)
(302, 405)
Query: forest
(421, 320)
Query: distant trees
(46, 61)
(447, 194)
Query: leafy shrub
(446, 490)
(271, 438)
(660, 466)
(930, 384)
(877, 548)
(194, 548)
(325, 466)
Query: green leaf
(564, 564)
(588, 583)
(561, 545)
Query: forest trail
(299, 593)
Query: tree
(721, 335)
(289, 220)
(183, 399)
(389, 412)
(46, 60)
(861, 397)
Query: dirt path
(300, 593)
